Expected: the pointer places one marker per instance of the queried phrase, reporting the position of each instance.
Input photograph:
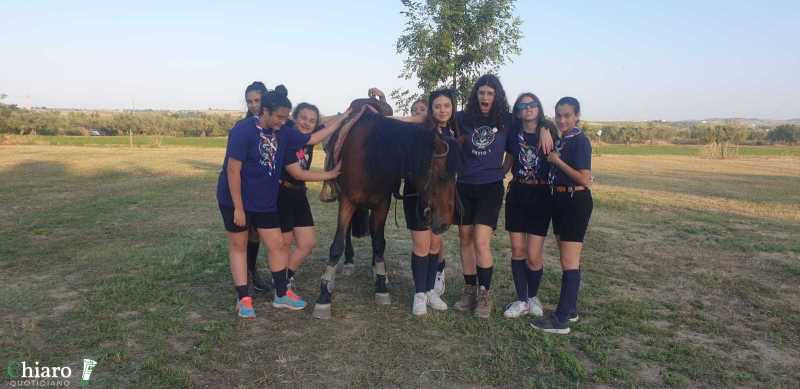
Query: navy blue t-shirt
(484, 146)
(303, 155)
(576, 151)
(263, 155)
(529, 162)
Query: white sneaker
(420, 304)
(535, 307)
(516, 309)
(438, 285)
(435, 302)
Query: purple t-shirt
(263, 155)
(529, 162)
(484, 146)
(576, 151)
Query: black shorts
(294, 209)
(252, 219)
(571, 215)
(481, 203)
(528, 208)
(414, 219)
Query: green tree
(450, 43)
(785, 133)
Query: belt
(569, 189)
(531, 182)
(289, 185)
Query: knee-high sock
(518, 271)
(485, 277)
(419, 270)
(252, 255)
(568, 301)
(534, 279)
(433, 266)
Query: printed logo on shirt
(302, 158)
(529, 162)
(482, 138)
(528, 159)
(268, 148)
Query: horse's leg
(377, 223)
(322, 309)
(349, 253)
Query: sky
(624, 60)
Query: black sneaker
(259, 284)
(551, 325)
(573, 317)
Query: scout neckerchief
(575, 131)
(267, 148)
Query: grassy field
(691, 274)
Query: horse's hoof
(322, 311)
(348, 269)
(383, 298)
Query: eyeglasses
(522, 106)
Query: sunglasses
(531, 104)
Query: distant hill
(747, 122)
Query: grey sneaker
(469, 299)
(484, 307)
(551, 325)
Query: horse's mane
(396, 149)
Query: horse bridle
(427, 210)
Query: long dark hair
(499, 105)
(256, 86)
(275, 99)
(451, 122)
(516, 111)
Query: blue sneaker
(244, 308)
(289, 303)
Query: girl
(297, 222)
(427, 263)
(570, 177)
(427, 267)
(252, 96)
(485, 124)
(528, 204)
(247, 192)
(420, 108)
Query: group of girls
(260, 191)
(550, 183)
(551, 168)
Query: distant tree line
(695, 133)
(14, 120)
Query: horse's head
(438, 193)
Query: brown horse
(360, 222)
(377, 153)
